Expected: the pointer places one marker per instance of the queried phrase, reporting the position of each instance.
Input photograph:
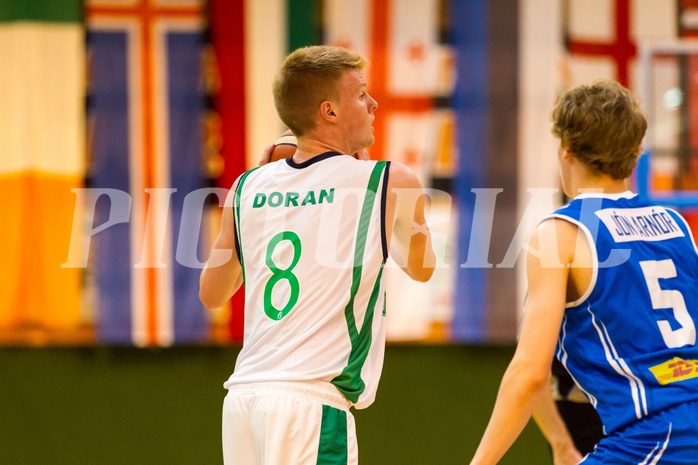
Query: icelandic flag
(146, 107)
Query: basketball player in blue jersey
(311, 236)
(613, 293)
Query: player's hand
(566, 456)
(266, 155)
(362, 155)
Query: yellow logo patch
(674, 370)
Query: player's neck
(591, 183)
(309, 147)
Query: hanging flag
(227, 32)
(602, 43)
(266, 46)
(147, 114)
(249, 41)
(41, 160)
(227, 35)
(413, 43)
(602, 40)
(486, 39)
(400, 38)
(348, 25)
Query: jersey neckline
(315, 159)
(616, 196)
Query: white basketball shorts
(282, 423)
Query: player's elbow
(218, 284)
(209, 300)
(208, 294)
(529, 377)
(420, 265)
(421, 274)
(537, 380)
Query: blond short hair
(602, 125)
(308, 77)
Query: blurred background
(122, 122)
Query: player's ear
(327, 110)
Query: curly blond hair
(602, 125)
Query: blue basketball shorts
(667, 437)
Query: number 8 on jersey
(279, 274)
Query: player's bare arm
(547, 270)
(406, 224)
(222, 274)
(553, 428)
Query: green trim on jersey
(333, 449)
(236, 217)
(349, 382)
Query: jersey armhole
(235, 236)
(594, 258)
(236, 213)
(384, 201)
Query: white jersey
(311, 240)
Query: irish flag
(42, 158)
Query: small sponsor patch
(675, 370)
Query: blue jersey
(630, 341)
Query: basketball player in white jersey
(310, 236)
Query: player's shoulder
(352, 169)
(555, 238)
(402, 176)
(555, 227)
